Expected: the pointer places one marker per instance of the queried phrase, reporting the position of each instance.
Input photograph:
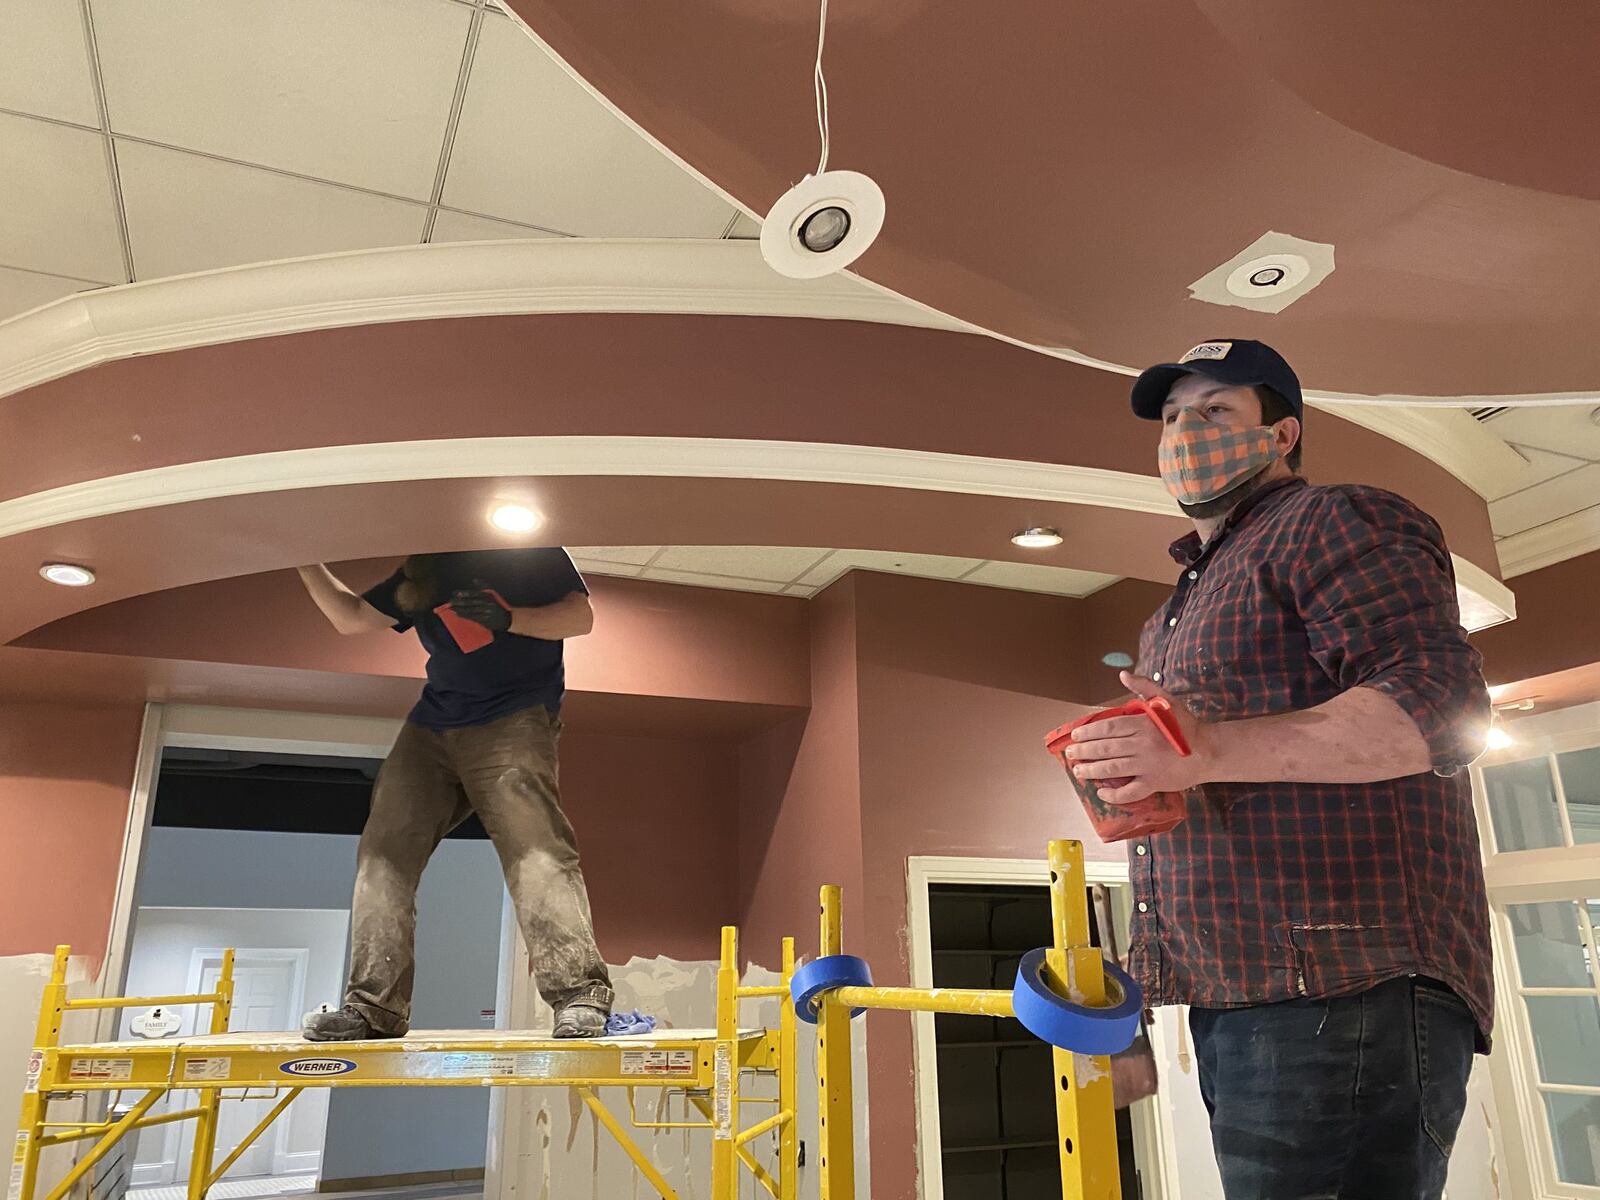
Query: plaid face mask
(1200, 461)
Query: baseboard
(367, 1183)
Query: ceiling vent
(1268, 275)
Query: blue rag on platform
(619, 1024)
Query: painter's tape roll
(1077, 1027)
(824, 975)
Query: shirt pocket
(1334, 958)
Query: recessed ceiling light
(515, 518)
(1037, 538)
(822, 224)
(67, 575)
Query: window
(1539, 803)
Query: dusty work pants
(1353, 1098)
(504, 771)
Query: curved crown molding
(1484, 599)
(474, 458)
(418, 283)
(555, 275)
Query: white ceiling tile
(615, 554)
(723, 582)
(190, 213)
(22, 290)
(357, 91)
(1566, 429)
(928, 566)
(777, 564)
(1566, 494)
(1029, 577)
(459, 227)
(57, 214)
(593, 566)
(745, 228)
(44, 61)
(533, 145)
(1543, 465)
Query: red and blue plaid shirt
(1275, 891)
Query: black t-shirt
(512, 672)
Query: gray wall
(380, 1131)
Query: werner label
(317, 1068)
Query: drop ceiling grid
(749, 568)
(100, 85)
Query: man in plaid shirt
(1321, 907)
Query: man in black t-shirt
(483, 738)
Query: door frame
(209, 727)
(1153, 1132)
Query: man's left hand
(479, 606)
(1134, 754)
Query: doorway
(248, 840)
(979, 1114)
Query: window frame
(1563, 874)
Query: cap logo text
(1208, 350)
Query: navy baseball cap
(1233, 361)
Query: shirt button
(1141, 849)
(1156, 677)
(1172, 620)
(1194, 574)
(1143, 907)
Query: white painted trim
(473, 458)
(416, 283)
(269, 731)
(1447, 435)
(1154, 1137)
(1555, 541)
(661, 457)
(1474, 581)
(146, 763)
(571, 275)
(1528, 877)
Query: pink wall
(66, 773)
(800, 794)
(657, 825)
(649, 639)
(957, 687)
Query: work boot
(342, 1025)
(582, 1018)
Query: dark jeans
(432, 781)
(1355, 1098)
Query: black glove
(483, 608)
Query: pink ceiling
(1060, 171)
(158, 548)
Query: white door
(266, 999)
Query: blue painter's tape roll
(823, 975)
(1077, 1027)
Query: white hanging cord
(821, 89)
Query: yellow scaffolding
(705, 1065)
